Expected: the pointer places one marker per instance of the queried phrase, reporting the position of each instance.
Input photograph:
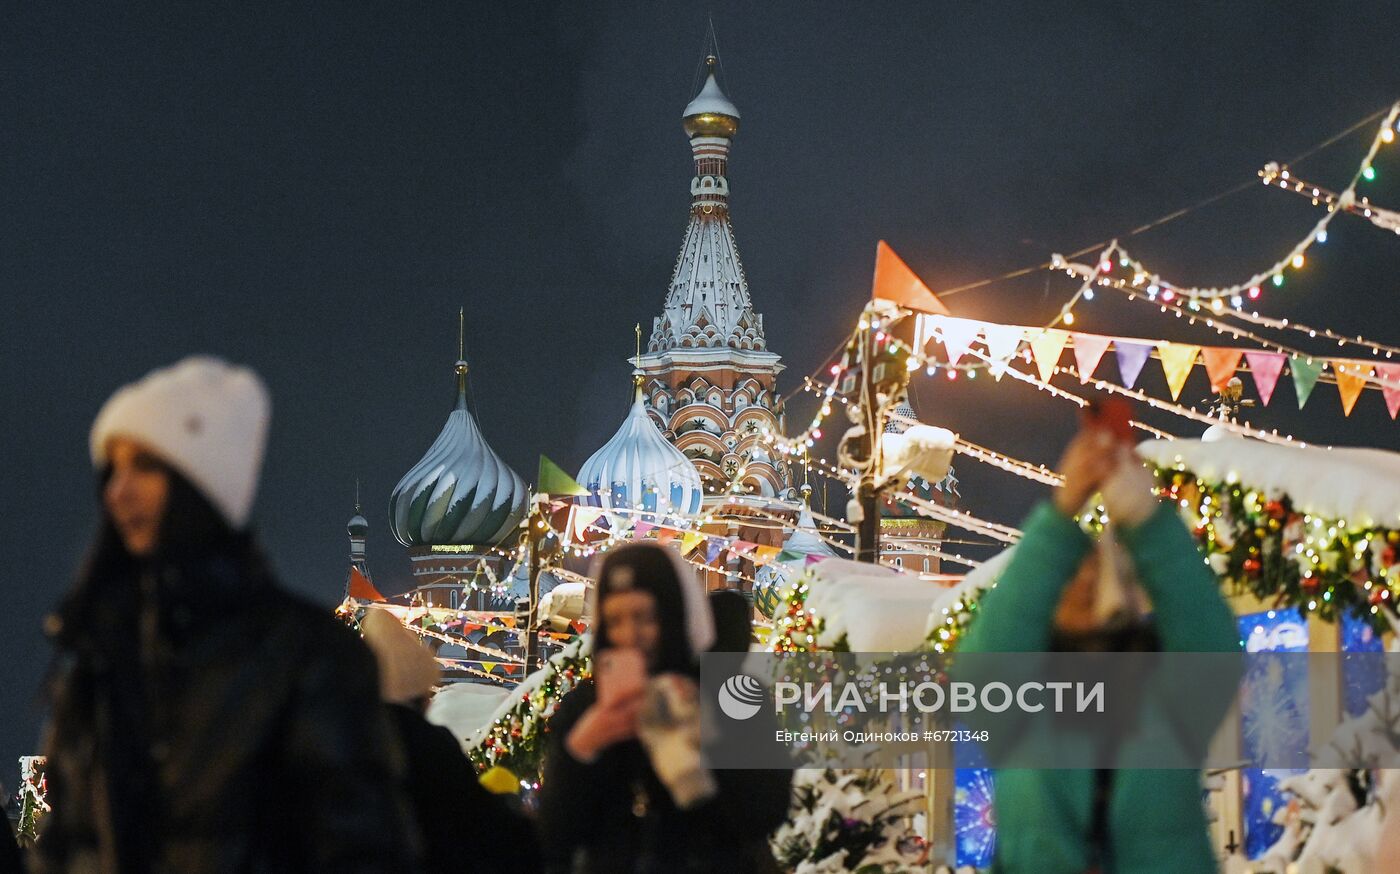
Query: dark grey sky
(315, 192)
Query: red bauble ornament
(1309, 583)
(1252, 566)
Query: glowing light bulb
(1387, 135)
(1169, 295)
(1069, 318)
(1088, 294)
(1278, 279)
(952, 374)
(1322, 236)
(1217, 304)
(1105, 265)
(1298, 261)
(1236, 301)
(1254, 292)
(1368, 172)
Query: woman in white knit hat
(203, 719)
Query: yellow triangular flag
(1177, 361)
(1351, 379)
(1046, 348)
(690, 540)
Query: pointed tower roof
(805, 539)
(460, 492)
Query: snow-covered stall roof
(1361, 486)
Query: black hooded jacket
(205, 721)
(614, 815)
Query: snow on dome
(639, 469)
(805, 539)
(460, 492)
(1361, 486)
(711, 113)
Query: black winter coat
(463, 824)
(615, 816)
(211, 723)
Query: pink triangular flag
(1265, 367)
(1046, 347)
(1390, 386)
(1088, 351)
(958, 336)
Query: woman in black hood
(625, 785)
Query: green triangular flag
(1305, 373)
(554, 481)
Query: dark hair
(652, 572)
(194, 543)
(733, 625)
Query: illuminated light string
(1291, 325)
(1213, 321)
(1188, 413)
(1385, 219)
(1037, 472)
(1117, 255)
(966, 521)
(1070, 396)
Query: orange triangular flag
(360, 588)
(1046, 348)
(1177, 361)
(1221, 364)
(894, 281)
(1351, 378)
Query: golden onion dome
(711, 113)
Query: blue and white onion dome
(460, 492)
(639, 470)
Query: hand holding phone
(620, 674)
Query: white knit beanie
(204, 417)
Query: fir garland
(1263, 545)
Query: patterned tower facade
(707, 374)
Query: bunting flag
(740, 547)
(665, 535)
(1002, 343)
(1046, 349)
(1305, 373)
(958, 337)
(1177, 361)
(1390, 389)
(1221, 364)
(1088, 352)
(554, 481)
(894, 281)
(1351, 378)
(690, 540)
(713, 547)
(1131, 358)
(1265, 367)
(361, 589)
(584, 518)
(765, 554)
(642, 529)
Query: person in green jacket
(1111, 821)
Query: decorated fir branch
(1261, 544)
(33, 803)
(516, 737)
(849, 820)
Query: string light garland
(1118, 256)
(1382, 218)
(1260, 544)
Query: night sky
(315, 193)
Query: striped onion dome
(460, 493)
(639, 469)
